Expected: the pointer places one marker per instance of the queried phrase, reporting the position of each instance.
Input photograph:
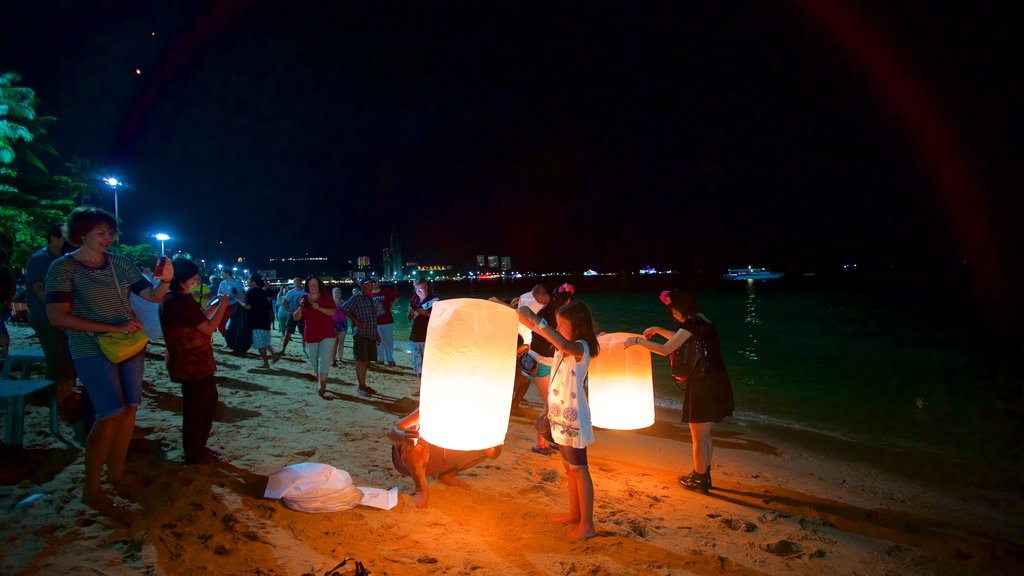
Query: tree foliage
(145, 253)
(31, 199)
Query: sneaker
(365, 392)
(334, 363)
(392, 363)
(696, 482)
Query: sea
(897, 374)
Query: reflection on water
(751, 323)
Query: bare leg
(573, 517)
(417, 461)
(543, 385)
(361, 367)
(322, 377)
(702, 446)
(334, 350)
(341, 346)
(119, 451)
(265, 354)
(284, 345)
(584, 488)
(97, 450)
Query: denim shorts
(112, 387)
(574, 457)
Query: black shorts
(365, 349)
(293, 324)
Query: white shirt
(147, 312)
(231, 288)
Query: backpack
(691, 359)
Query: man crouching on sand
(415, 457)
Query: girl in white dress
(575, 341)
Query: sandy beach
(777, 507)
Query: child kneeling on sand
(575, 341)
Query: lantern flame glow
(469, 362)
(621, 386)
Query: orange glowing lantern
(469, 361)
(621, 391)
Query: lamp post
(162, 238)
(114, 183)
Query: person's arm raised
(530, 319)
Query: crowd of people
(77, 291)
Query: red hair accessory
(566, 288)
(665, 298)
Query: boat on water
(751, 273)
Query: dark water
(863, 364)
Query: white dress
(568, 409)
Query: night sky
(694, 135)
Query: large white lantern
(621, 392)
(469, 362)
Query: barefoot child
(575, 342)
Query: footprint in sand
(738, 524)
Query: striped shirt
(93, 295)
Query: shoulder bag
(118, 346)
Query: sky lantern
(469, 362)
(621, 391)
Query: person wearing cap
(413, 456)
(363, 314)
(187, 330)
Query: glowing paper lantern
(621, 387)
(469, 361)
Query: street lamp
(162, 238)
(114, 183)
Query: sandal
(545, 451)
